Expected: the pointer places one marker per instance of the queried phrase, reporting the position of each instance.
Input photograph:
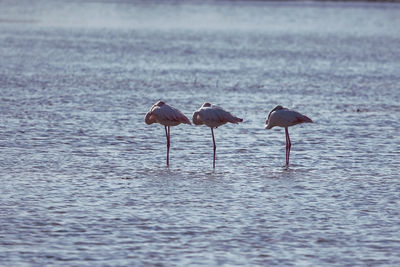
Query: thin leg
(288, 145)
(169, 141)
(167, 134)
(215, 147)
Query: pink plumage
(285, 118)
(213, 117)
(168, 116)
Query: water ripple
(84, 180)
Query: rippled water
(83, 178)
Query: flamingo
(166, 115)
(213, 117)
(283, 117)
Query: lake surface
(84, 180)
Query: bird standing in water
(285, 118)
(213, 117)
(168, 116)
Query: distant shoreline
(277, 1)
(376, 1)
(215, 1)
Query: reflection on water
(83, 178)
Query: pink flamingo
(213, 117)
(285, 118)
(167, 116)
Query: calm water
(83, 178)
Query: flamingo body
(213, 117)
(283, 117)
(166, 115)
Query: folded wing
(166, 113)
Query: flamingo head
(149, 118)
(197, 119)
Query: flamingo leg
(288, 145)
(167, 134)
(215, 147)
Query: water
(83, 178)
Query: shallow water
(83, 178)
